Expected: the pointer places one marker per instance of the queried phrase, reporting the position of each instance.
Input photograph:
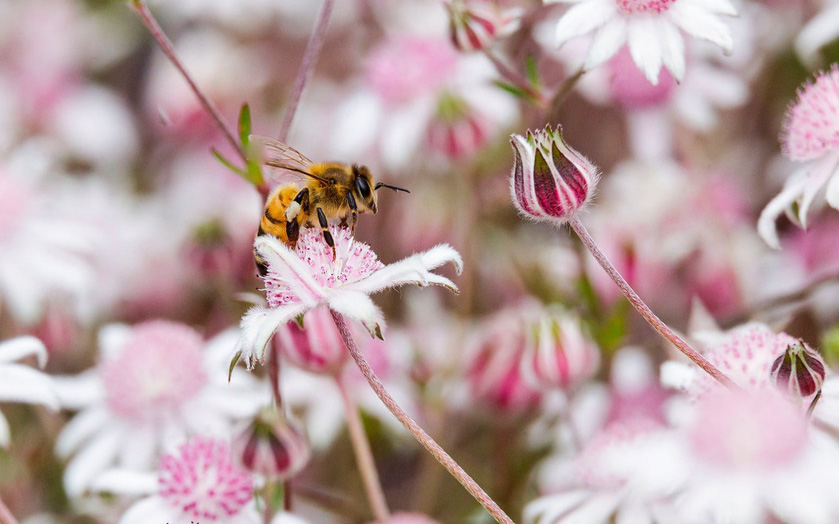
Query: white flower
(651, 28)
(157, 383)
(818, 32)
(19, 383)
(299, 281)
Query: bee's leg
(354, 209)
(292, 231)
(324, 226)
(300, 203)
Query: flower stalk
(642, 308)
(364, 456)
(307, 66)
(142, 9)
(422, 437)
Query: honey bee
(333, 191)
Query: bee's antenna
(379, 185)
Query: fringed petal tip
(441, 254)
(20, 347)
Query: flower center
(157, 370)
(202, 482)
(353, 260)
(630, 87)
(409, 67)
(747, 430)
(812, 126)
(632, 7)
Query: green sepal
(233, 363)
(531, 70)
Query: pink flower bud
(799, 371)
(476, 24)
(272, 446)
(495, 368)
(458, 130)
(558, 353)
(550, 181)
(316, 346)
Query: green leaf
(513, 90)
(245, 126)
(531, 70)
(229, 165)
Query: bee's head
(363, 188)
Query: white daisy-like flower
(156, 384)
(651, 28)
(301, 280)
(811, 136)
(19, 383)
(198, 482)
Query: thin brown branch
(643, 309)
(364, 457)
(307, 67)
(422, 437)
(141, 8)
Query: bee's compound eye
(362, 186)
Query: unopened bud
(550, 181)
(316, 345)
(799, 371)
(558, 353)
(476, 24)
(457, 130)
(272, 446)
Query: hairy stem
(562, 94)
(422, 437)
(515, 78)
(150, 22)
(364, 457)
(307, 66)
(6, 516)
(642, 308)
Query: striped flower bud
(272, 446)
(799, 371)
(476, 24)
(316, 345)
(558, 353)
(550, 181)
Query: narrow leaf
(229, 165)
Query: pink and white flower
(156, 384)
(811, 136)
(198, 482)
(651, 28)
(19, 383)
(301, 280)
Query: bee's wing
(274, 153)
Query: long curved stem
(642, 308)
(422, 437)
(364, 457)
(150, 22)
(307, 66)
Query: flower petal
(606, 43)
(583, 18)
(816, 179)
(718, 7)
(80, 391)
(17, 348)
(125, 482)
(80, 429)
(151, 509)
(672, 49)
(701, 24)
(819, 31)
(358, 306)
(284, 261)
(19, 383)
(766, 223)
(258, 326)
(412, 270)
(645, 47)
(5, 433)
(99, 452)
(832, 194)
